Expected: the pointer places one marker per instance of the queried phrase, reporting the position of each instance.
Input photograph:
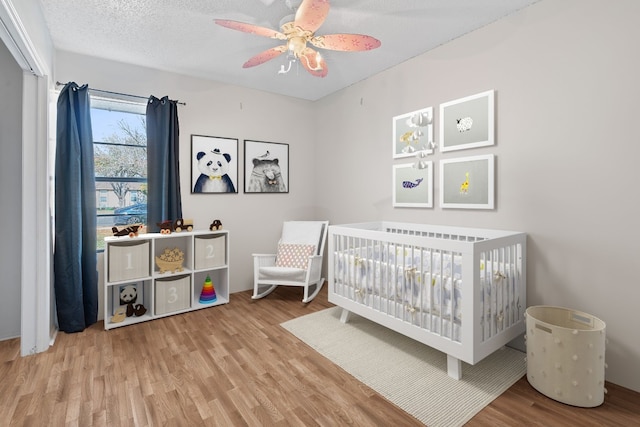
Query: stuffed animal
(266, 176)
(128, 297)
(213, 167)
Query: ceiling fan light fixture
(296, 45)
(317, 67)
(300, 31)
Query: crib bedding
(421, 285)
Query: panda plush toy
(214, 168)
(128, 297)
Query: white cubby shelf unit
(132, 261)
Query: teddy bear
(266, 176)
(128, 297)
(214, 168)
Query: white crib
(459, 290)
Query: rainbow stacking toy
(208, 294)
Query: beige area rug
(409, 374)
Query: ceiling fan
(308, 18)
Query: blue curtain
(74, 260)
(164, 201)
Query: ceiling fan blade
(313, 62)
(250, 28)
(265, 56)
(311, 14)
(345, 42)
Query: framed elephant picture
(266, 167)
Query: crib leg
(344, 317)
(454, 367)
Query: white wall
(253, 220)
(11, 207)
(566, 80)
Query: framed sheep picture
(266, 167)
(413, 132)
(467, 182)
(467, 122)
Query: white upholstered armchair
(298, 261)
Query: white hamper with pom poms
(565, 355)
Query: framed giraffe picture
(468, 182)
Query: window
(103, 199)
(120, 156)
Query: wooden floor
(232, 365)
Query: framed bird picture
(412, 133)
(266, 167)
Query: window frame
(114, 103)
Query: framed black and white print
(214, 164)
(412, 132)
(467, 182)
(467, 122)
(266, 167)
(412, 186)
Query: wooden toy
(131, 231)
(215, 225)
(183, 224)
(170, 260)
(180, 224)
(119, 315)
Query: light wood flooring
(232, 365)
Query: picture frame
(413, 186)
(468, 122)
(412, 132)
(214, 164)
(266, 167)
(468, 182)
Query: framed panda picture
(214, 164)
(266, 167)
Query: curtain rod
(118, 93)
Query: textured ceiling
(180, 36)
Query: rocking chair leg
(316, 291)
(258, 295)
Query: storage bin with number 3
(172, 294)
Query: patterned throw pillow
(296, 256)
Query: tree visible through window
(120, 156)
